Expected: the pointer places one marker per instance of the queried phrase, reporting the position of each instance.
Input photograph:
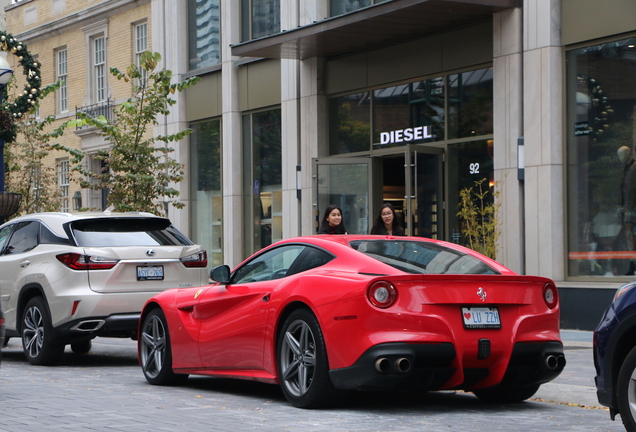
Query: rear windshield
(422, 257)
(127, 232)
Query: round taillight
(382, 294)
(550, 295)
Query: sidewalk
(575, 385)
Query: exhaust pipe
(555, 362)
(382, 365)
(402, 365)
(88, 326)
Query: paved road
(105, 391)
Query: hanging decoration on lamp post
(14, 110)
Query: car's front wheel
(626, 391)
(37, 334)
(155, 352)
(303, 368)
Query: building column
(231, 150)
(543, 131)
(508, 128)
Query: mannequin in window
(628, 199)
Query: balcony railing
(95, 110)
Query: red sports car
(322, 315)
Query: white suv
(67, 278)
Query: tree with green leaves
(138, 168)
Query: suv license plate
(149, 273)
(481, 317)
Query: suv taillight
(86, 262)
(199, 259)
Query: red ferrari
(323, 315)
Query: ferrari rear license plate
(481, 317)
(149, 273)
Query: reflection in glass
(470, 101)
(263, 178)
(206, 213)
(601, 193)
(349, 123)
(265, 18)
(339, 7)
(346, 186)
(473, 162)
(204, 33)
(406, 106)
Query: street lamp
(5, 75)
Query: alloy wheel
(298, 358)
(153, 346)
(33, 331)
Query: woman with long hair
(332, 222)
(386, 223)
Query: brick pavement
(105, 391)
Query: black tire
(506, 394)
(155, 353)
(303, 368)
(82, 347)
(38, 334)
(626, 391)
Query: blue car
(615, 356)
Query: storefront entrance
(423, 183)
(411, 180)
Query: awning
(372, 27)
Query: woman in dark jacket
(386, 223)
(332, 221)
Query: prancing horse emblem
(481, 293)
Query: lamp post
(5, 75)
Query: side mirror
(220, 274)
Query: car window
(48, 237)
(422, 257)
(273, 264)
(310, 258)
(127, 232)
(4, 235)
(24, 238)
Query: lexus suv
(67, 278)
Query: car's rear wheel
(303, 368)
(38, 334)
(155, 352)
(82, 347)
(499, 394)
(626, 391)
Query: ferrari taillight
(382, 294)
(199, 259)
(550, 295)
(77, 261)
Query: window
(270, 265)
(432, 110)
(339, 7)
(141, 46)
(63, 181)
(204, 33)
(259, 18)
(24, 238)
(600, 130)
(206, 196)
(262, 181)
(62, 75)
(99, 68)
(96, 41)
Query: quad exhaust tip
(554, 362)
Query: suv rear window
(127, 232)
(422, 257)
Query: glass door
(346, 183)
(424, 215)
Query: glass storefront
(204, 33)
(425, 141)
(601, 177)
(262, 179)
(206, 201)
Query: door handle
(25, 263)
